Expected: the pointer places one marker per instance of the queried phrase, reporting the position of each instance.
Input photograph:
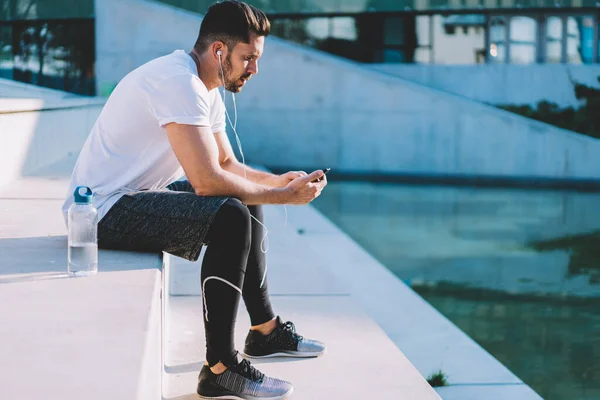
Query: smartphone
(325, 171)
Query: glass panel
(423, 30)
(4, 10)
(554, 34)
(317, 28)
(344, 28)
(25, 52)
(352, 6)
(55, 54)
(522, 40)
(394, 31)
(497, 51)
(6, 56)
(580, 34)
(48, 9)
(294, 30)
(75, 50)
(393, 56)
(458, 39)
(573, 41)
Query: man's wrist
(272, 180)
(277, 196)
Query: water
(83, 259)
(517, 270)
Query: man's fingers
(315, 175)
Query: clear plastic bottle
(83, 234)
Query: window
(54, 54)
(580, 39)
(497, 50)
(554, 37)
(523, 32)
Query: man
(164, 119)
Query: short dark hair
(231, 22)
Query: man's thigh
(154, 221)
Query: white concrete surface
(72, 338)
(502, 84)
(14, 89)
(308, 109)
(360, 362)
(36, 133)
(304, 291)
(427, 338)
(311, 246)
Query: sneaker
(241, 381)
(283, 341)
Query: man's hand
(281, 181)
(302, 190)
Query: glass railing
(57, 54)
(274, 7)
(14, 10)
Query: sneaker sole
(295, 354)
(233, 397)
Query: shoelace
(290, 328)
(246, 369)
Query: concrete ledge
(65, 338)
(28, 134)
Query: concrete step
(361, 361)
(66, 338)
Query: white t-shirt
(128, 148)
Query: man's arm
(230, 163)
(198, 153)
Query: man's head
(233, 34)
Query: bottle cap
(85, 198)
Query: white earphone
(237, 138)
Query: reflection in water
(584, 253)
(516, 270)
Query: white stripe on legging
(204, 292)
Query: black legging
(233, 257)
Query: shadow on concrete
(46, 133)
(192, 396)
(197, 366)
(44, 258)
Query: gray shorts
(175, 221)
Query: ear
(218, 50)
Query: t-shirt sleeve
(182, 99)
(218, 118)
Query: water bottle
(83, 234)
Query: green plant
(584, 120)
(438, 378)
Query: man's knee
(232, 220)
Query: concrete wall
(32, 140)
(308, 109)
(502, 83)
(130, 33)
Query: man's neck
(203, 73)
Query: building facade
(52, 43)
(48, 43)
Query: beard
(232, 83)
